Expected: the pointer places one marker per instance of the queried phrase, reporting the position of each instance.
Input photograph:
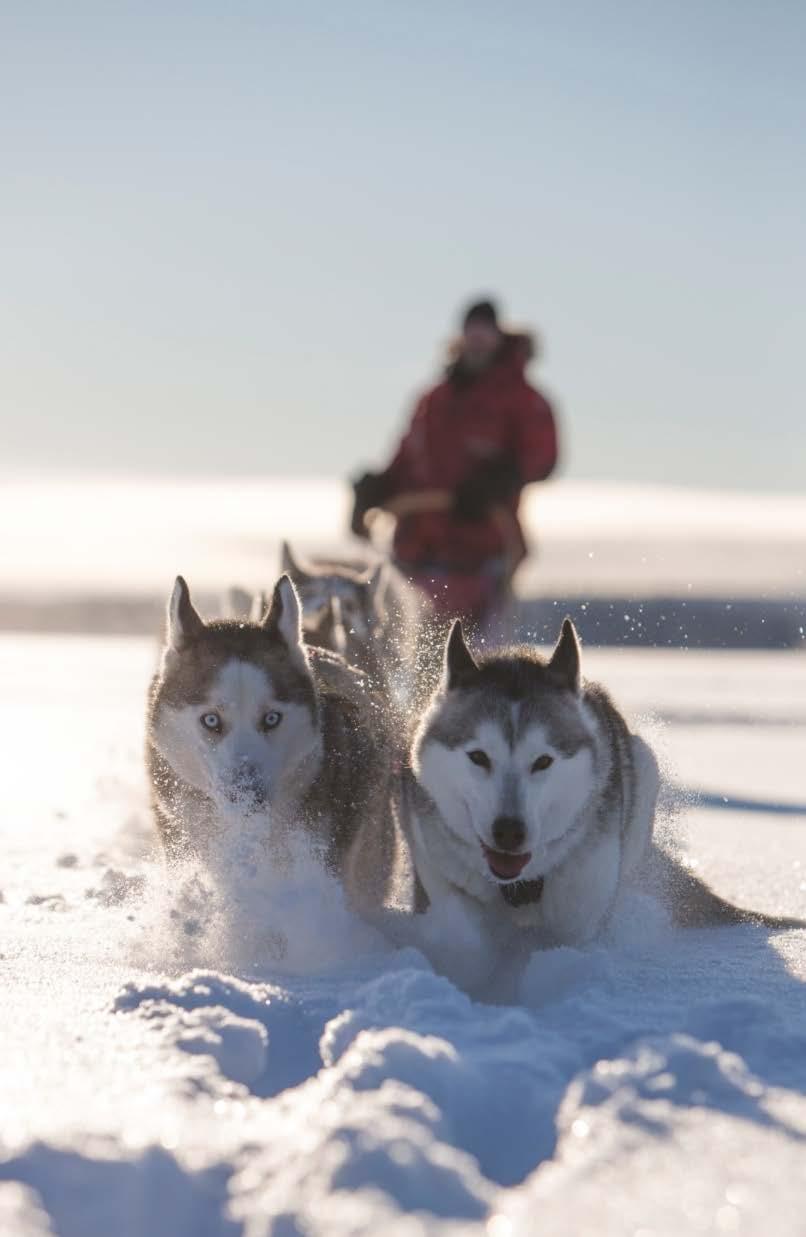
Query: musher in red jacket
(475, 440)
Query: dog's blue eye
(480, 758)
(272, 719)
(211, 721)
(542, 762)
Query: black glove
(494, 481)
(371, 490)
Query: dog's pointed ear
(567, 657)
(258, 608)
(289, 565)
(459, 666)
(184, 623)
(283, 619)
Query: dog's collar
(523, 893)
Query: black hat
(481, 311)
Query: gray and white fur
(529, 804)
(378, 613)
(245, 716)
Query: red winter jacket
(456, 426)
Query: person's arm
(532, 457)
(536, 447)
(373, 489)
(492, 483)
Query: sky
(236, 237)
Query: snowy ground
(162, 1076)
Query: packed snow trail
(170, 1069)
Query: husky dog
(376, 612)
(529, 804)
(243, 716)
(324, 630)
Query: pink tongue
(504, 865)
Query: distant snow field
(130, 536)
(169, 1071)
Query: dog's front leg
(453, 936)
(579, 894)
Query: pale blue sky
(235, 235)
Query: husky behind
(376, 616)
(244, 717)
(530, 805)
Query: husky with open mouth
(529, 804)
(245, 718)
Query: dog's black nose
(509, 833)
(248, 785)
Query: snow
(128, 537)
(226, 1053)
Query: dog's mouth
(503, 864)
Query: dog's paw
(456, 945)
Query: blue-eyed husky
(244, 716)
